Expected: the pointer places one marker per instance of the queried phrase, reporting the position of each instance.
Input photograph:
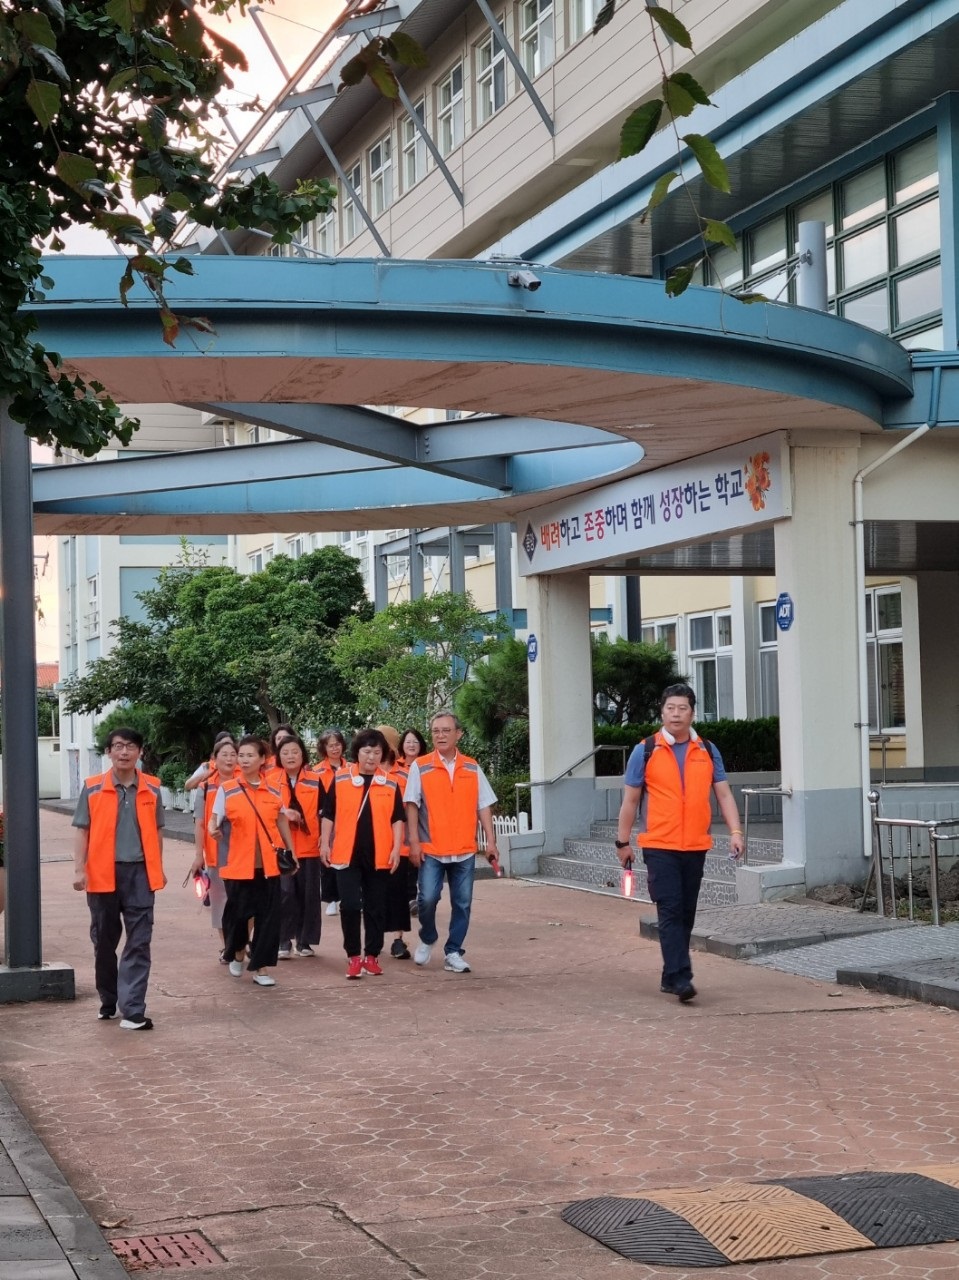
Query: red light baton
(626, 880)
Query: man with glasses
(118, 861)
(446, 794)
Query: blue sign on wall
(785, 611)
(532, 647)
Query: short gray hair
(444, 715)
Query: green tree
(628, 679)
(409, 660)
(219, 649)
(494, 706)
(104, 108)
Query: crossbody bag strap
(259, 816)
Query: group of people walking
(276, 835)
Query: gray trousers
(129, 908)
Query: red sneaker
(356, 968)
(372, 965)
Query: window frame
(716, 657)
(415, 154)
(491, 78)
(381, 176)
(451, 115)
(350, 214)
(530, 39)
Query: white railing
(503, 826)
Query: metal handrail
(757, 791)
(883, 740)
(934, 828)
(566, 773)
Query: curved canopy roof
(586, 377)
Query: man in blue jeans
(678, 772)
(446, 794)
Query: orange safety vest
(349, 799)
(678, 813)
(246, 833)
(448, 808)
(399, 773)
(210, 788)
(101, 846)
(310, 792)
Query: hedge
(746, 746)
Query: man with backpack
(677, 769)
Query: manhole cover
(181, 1249)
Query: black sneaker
(399, 950)
(686, 993)
(107, 1011)
(667, 988)
(136, 1024)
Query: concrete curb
(60, 1233)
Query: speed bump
(777, 1218)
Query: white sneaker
(284, 953)
(236, 968)
(264, 980)
(422, 953)
(455, 963)
(332, 908)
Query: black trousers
(301, 920)
(363, 893)
(257, 899)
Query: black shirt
(363, 847)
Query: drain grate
(181, 1249)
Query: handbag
(286, 862)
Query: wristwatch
(621, 844)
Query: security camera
(524, 280)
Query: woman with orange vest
(223, 769)
(361, 836)
(302, 794)
(398, 892)
(248, 812)
(330, 749)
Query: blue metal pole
(18, 685)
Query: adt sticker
(785, 611)
(532, 647)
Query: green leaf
(750, 298)
(678, 281)
(114, 222)
(43, 99)
(692, 87)
(354, 71)
(638, 127)
(184, 266)
(54, 7)
(605, 16)
(143, 186)
(679, 101)
(709, 160)
(671, 25)
(660, 190)
(171, 327)
(52, 61)
(179, 201)
(35, 29)
(719, 233)
(407, 51)
(383, 76)
(164, 222)
(122, 78)
(123, 13)
(74, 170)
(126, 284)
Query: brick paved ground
(432, 1125)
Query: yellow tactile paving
(750, 1221)
(947, 1173)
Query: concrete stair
(592, 864)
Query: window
(296, 547)
(351, 215)
(883, 266)
(254, 562)
(884, 663)
(381, 175)
(449, 110)
(710, 653)
(490, 77)
(768, 691)
(582, 15)
(92, 618)
(660, 632)
(537, 46)
(414, 147)
(326, 233)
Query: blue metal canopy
(600, 376)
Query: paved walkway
(431, 1126)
